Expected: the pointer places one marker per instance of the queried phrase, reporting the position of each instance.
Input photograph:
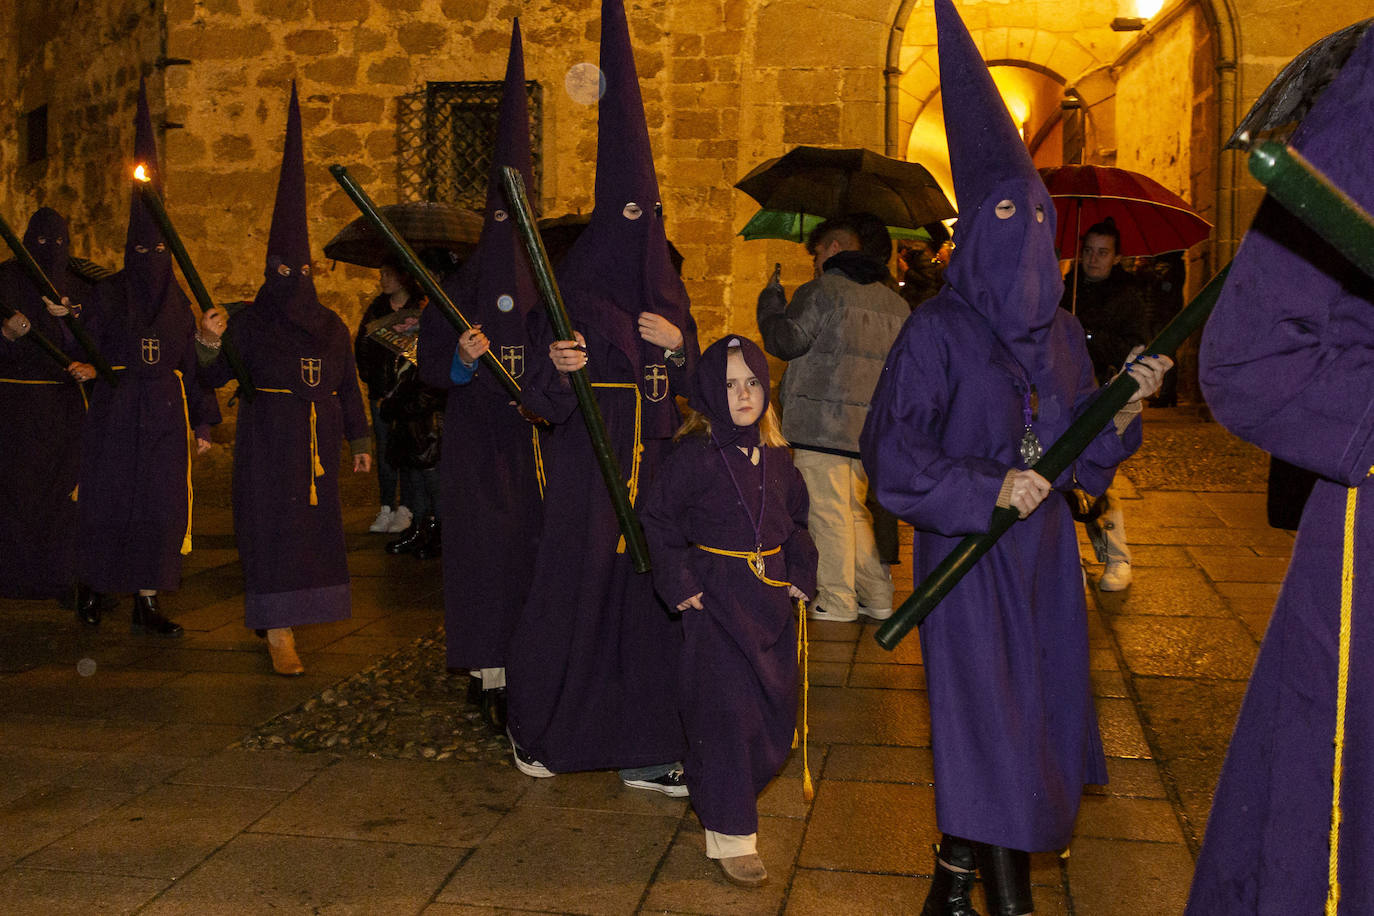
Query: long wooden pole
(635, 543)
(401, 248)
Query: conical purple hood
(619, 266)
(1004, 263)
(289, 238)
(147, 270)
(495, 286)
(288, 287)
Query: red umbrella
(1151, 218)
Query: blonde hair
(696, 423)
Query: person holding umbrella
(1113, 312)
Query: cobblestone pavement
(181, 776)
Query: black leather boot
(147, 618)
(951, 890)
(1006, 880)
(90, 605)
(410, 539)
(494, 709)
(430, 544)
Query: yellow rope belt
(190, 450)
(1333, 892)
(538, 462)
(755, 560)
(633, 482)
(316, 468)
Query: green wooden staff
(188, 270)
(46, 288)
(401, 248)
(635, 544)
(38, 338)
(1312, 198)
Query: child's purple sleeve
(663, 512)
(799, 551)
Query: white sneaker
(400, 520)
(816, 612)
(1116, 577)
(875, 613)
(525, 762)
(673, 784)
(382, 523)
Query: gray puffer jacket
(835, 336)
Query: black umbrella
(423, 224)
(559, 233)
(836, 182)
(1292, 93)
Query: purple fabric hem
(297, 608)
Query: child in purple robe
(726, 523)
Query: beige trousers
(850, 573)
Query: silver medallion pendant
(1030, 448)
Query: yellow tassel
(1333, 893)
(190, 446)
(75, 490)
(316, 469)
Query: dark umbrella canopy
(835, 182)
(1151, 218)
(422, 223)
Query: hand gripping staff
(43, 343)
(1304, 192)
(45, 288)
(412, 264)
(188, 270)
(635, 543)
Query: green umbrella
(791, 226)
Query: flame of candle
(141, 173)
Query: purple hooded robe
(299, 354)
(487, 468)
(41, 410)
(737, 678)
(592, 665)
(1013, 726)
(134, 510)
(1287, 362)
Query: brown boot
(281, 645)
(746, 871)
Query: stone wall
(83, 61)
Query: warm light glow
(1146, 9)
(141, 173)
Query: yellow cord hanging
(1333, 892)
(316, 468)
(190, 450)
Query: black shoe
(494, 709)
(147, 618)
(950, 890)
(673, 784)
(431, 544)
(1006, 880)
(90, 606)
(409, 541)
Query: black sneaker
(670, 783)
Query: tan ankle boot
(745, 871)
(281, 645)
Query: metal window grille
(445, 134)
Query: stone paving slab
(44, 892)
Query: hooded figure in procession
(593, 660)
(306, 403)
(42, 406)
(1287, 362)
(981, 376)
(487, 464)
(726, 521)
(134, 510)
